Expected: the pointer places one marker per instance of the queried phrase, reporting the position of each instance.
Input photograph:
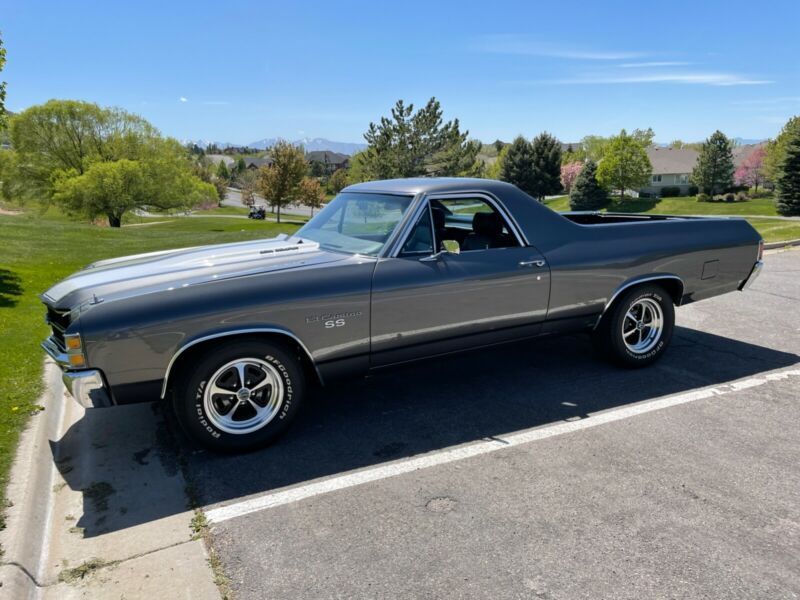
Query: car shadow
(430, 405)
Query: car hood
(157, 271)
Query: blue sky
(241, 71)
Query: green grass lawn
(37, 250)
(770, 230)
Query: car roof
(429, 185)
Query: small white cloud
(663, 63)
(714, 79)
(183, 99)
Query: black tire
(282, 393)
(610, 338)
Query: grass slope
(38, 250)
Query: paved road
(234, 198)
(532, 471)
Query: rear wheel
(637, 329)
(240, 395)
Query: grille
(58, 321)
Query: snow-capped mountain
(311, 144)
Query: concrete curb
(24, 539)
(786, 244)
(99, 507)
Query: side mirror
(451, 247)
(448, 247)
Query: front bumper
(86, 386)
(757, 268)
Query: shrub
(729, 197)
(736, 188)
(703, 198)
(693, 189)
(587, 193)
(670, 192)
(741, 197)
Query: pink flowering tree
(569, 172)
(751, 169)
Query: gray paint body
(152, 307)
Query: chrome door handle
(531, 263)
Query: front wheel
(240, 395)
(637, 329)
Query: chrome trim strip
(754, 273)
(230, 333)
(637, 282)
(87, 387)
(55, 353)
(403, 229)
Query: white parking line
(332, 484)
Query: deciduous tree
(2, 87)
(587, 193)
(546, 167)
(751, 170)
(494, 170)
(776, 149)
(714, 170)
(247, 181)
(310, 193)
(279, 181)
(625, 165)
(569, 172)
(337, 181)
(788, 179)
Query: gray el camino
(388, 272)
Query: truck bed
(602, 218)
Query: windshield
(356, 223)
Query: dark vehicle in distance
(257, 212)
(388, 272)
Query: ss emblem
(336, 323)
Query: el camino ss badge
(331, 320)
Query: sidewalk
(99, 508)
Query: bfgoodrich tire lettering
(637, 329)
(239, 395)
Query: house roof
(254, 161)
(326, 156)
(672, 160)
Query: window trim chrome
(425, 200)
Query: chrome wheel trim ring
(642, 325)
(243, 395)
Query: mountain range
(309, 144)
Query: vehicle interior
(472, 222)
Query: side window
(421, 239)
(474, 223)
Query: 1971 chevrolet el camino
(388, 272)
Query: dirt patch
(442, 504)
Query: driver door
(426, 302)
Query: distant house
(253, 162)
(329, 161)
(672, 167)
(218, 158)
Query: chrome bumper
(757, 268)
(86, 386)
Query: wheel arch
(198, 345)
(671, 283)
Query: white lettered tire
(239, 395)
(638, 327)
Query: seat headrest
(488, 224)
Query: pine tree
(222, 171)
(587, 193)
(714, 171)
(546, 172)
(788, 181)
(518, 165)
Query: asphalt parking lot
(535, 471)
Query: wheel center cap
(640, 325)
(243, 395)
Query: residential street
(530, 470)
(234, 198)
